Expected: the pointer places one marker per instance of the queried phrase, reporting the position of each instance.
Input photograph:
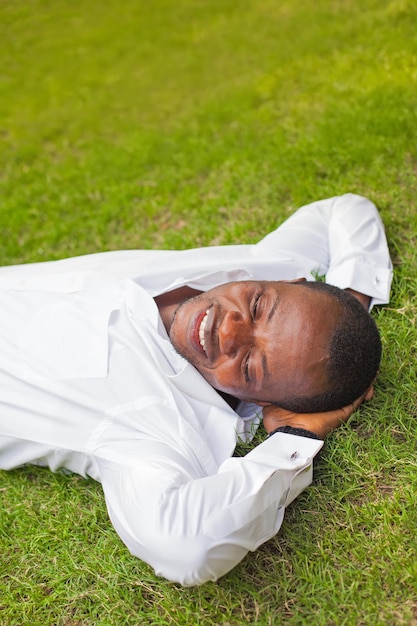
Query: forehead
(244, 289)
(288, 293)
(297, 346)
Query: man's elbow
(189, 561)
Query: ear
(262, 403)
(295, 280)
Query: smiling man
(142, 369)
(265, 342)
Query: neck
(168, 303)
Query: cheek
(178, 337)
(224, 378)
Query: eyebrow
(265, 367)
(272, 311)
(268, 320)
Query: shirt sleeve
(191, 528)
(342, 238)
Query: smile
(201, 330)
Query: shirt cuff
(286, 452)
(371, 280)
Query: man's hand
(362, 297)
(321, 424)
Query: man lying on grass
(142, 369)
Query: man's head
(301, 345)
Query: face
(258, 341)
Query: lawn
(175, 124)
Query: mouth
(201, 330)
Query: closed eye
(246, 369)
(255, 305)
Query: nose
(232, 333)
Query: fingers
(366, 396)
(370, 393)
(362, 297)
(351, 408)
(319, 423)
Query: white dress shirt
(90, 382)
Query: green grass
(180, 123)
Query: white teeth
(201, 330)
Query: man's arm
(320, 424)
(342, 238)
(190, 527)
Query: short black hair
(355, 355)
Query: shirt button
(377, 280)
